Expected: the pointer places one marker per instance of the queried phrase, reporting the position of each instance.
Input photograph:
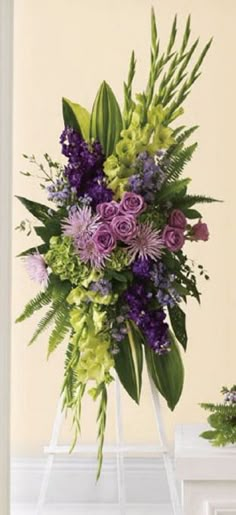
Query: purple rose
(199, 232)
(104, 239)
(132, 204)
(124, 227)
(173, 238)
(107, 210)
(178, 219)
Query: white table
(207, 474)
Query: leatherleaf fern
(222, 419)
(53, 296)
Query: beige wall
(67, 47)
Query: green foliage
(129, 362)
(106, 120)
(167, 372)
(40, 248)
(128, 102)
(178, 161)
(42, 299)
(190, 200)
(222, 419)
(76, 116)
(178, 322)
(172, 190)
(61, 328)
(39, 211)
(101, 419)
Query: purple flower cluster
(102, 286)
(59, 192)
(85, 167)
(166, 294)
(149, 175)
(150, 321)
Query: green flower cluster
(119, 260)
(95, 359)
(149, 135)
(63, 261)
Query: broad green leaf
(40, 248)
(167, 372)
(178, 322)
(192, 214)
(129, 362)
(39, 211)
(51, 228)
(209, 435)
(106, 120)
(76, 116)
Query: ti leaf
(106, 120)
(39, 211)
(76, 116)
(167, 372)
(129, 362)
(178, 322)
(40, 248)
(209, 435)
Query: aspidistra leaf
(178, 322)
(129, 362)
(167, 372)
(106, 120)
(76, 117)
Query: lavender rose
(199, 232)
(107, 210)
(132, 204)
(124, 227)
(104, 239)
(178, 219)
(173, 238)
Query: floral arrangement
(222, 419)
(111, 264)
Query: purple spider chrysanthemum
(89, 253)
(147, 243)
(81, 223)
(37, 268)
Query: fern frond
(178, 162)
(45, 322)
(42, 299)
(61, 328)
(191, 200)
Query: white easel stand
(119, 450)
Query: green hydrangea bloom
(63, 260)
(119, 259)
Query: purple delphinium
(84, 170)
(150, 321)
(149, 175)
(166, 293)
(102, 286)
(142, 268)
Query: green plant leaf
(209, 435)
(191, 214)
(178, 322)
(40, 248)
(167, 372)
(173, 189)
(129, 362)
(106, 120)
(76, 116)
(39, 211)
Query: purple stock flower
(85, 167)
(173, 238)
(124, 227)
(141, 268)
(37, 268)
